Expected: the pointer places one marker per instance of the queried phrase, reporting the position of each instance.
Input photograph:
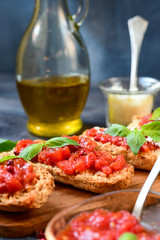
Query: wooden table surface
(13, 118)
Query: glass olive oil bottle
(52, 70)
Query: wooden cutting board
(23, 224)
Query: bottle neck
(55, 7)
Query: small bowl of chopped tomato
(108, 216)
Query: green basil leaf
(117, 130)
(152, 130)
(156, 114)
(31, 151)
(60, 142)
(135, 140)
(7, 158)
(128, 236)
(6, 145)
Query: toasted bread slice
(94, 182)
(33, 196)
(143, 160)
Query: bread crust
(135, 122)
(94, 182)
(143, 160)
(33, 196)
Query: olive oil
(54, 104)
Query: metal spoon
(137, 210)
(137, 27)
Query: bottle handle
(82, 12)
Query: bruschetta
(138, 121)
(23, 185)
(145, 158)
(82, 166)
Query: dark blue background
(105, 33)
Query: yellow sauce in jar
(121, 108)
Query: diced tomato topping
(66, 166)
(84, 142)
(91, 132)
(101, 224)
(99, 136)
(90, 160)
(87, 143)
(145, 148)
(15, 175)
(81, 160)
(145, 119)
(7, 182)
(76, 159)
(51, 155)
(149, 146)
(103, 162)
(21, 145)
(95, 161)
(79, 164)
(107, 170)
(119, 163)
(105, 156)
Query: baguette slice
(94, 182)
(135, 122)
(143, 160)
(33, 196)
(91, 180)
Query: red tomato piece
(91, 132)
(107, 170)
(90, 159)
(79, 164)
(85, 142)
(100, 163)
(50, 156)
(15, 175)
(7, 182)
(145, 119)
(144, 148)
(21, 145)
(119, 163)
(67, 166)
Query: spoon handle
(137, 27)
(145, 189)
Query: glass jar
(121, 104)
(52, 69)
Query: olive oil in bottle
(52, 69)
(54, 105)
